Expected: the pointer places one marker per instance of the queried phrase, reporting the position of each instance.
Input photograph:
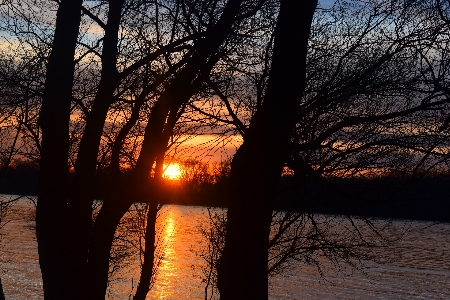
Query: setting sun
(172, 171)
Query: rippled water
(418, 266)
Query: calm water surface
(419, 269)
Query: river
(416, 266)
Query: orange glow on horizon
(172, 171)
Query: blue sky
(326, 3)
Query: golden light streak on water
(167, 269)
(176, 278)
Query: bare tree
(142, 74)
(243, 265)
(118, 89)
(369, 81)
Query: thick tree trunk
(150, 230)
(136, 188)
(54, 121)
(257, 165)
(80, 200)
(2, 295)
(100, 247)
(123, 193)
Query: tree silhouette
(124, 79)
(259, 161)
(119, 88)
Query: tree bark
(101, 240)
(54, 121)
(150, 233)
(2, 295)
(257, 165)
(80, 200)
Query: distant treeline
(424, 198)
(201, 184)
(19, 178)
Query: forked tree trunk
(183, 86)
(101, 240)
(147, 270)
(54, 122)
(80, 200)
(257, 165)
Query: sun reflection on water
(178, 268)
(167, 269)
